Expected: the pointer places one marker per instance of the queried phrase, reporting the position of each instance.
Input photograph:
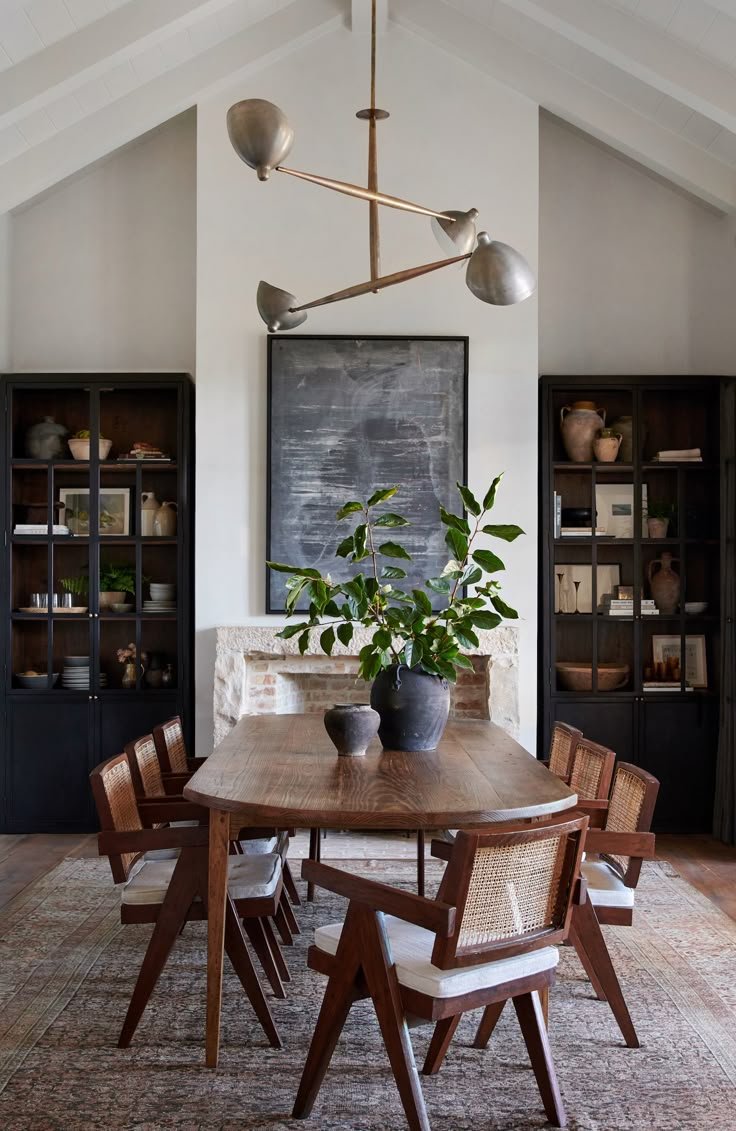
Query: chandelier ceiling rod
(262, 138)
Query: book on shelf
(679, 455)
(664, 685)
(557, 514)
(583, 532)
(24, 528)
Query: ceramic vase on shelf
(164, 522)
(664, 584)
(351, 727)
(625, 427)
(606, 445)
(149, 508)
(44, 440)
(658, 527)
(579, 423)
(129, 675)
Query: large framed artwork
(348, 415)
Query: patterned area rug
(67, 970)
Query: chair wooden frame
(124, 839)
(363, 965)
(562, 749)
(592, 770)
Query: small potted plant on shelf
(658, 518)
(75, 590)
(115, 581)
(79, 445)
(415, 649)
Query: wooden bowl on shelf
(575, 676)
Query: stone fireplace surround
(257, 673)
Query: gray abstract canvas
(349, 415)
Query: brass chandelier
(262, 138)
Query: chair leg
(289, 915)
(383, 984)
(444, 1031)
(339, 996)
(237, 952)
(585, 928)
(290, 884)
(531, 1019)
(282, 926)
(420, 861)
(587, 964)
(488, 1022)
(259, 942)
(278, 957)
(168, 925)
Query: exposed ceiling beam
(631, 44)
(99, 134)
(668, 154)
(77, 58)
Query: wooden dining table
(283, 771)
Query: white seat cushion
(249, 877)
(255, 847)
(605, 887)
(161, 854)
(412, 952)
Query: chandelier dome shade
(275, 308)
(455, 231)
(260, 134)
(499, 274)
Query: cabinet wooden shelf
(673, 734)
(53, 736)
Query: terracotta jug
(164, 522)
(149, 507)
(665, 584)
(579, 423)
(606, 445)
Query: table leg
(315, 853)
(216, 897)
(420, 862)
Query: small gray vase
(352, 726)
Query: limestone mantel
(256, 672)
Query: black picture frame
(372, 427)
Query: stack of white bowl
(163, 598)
(75, 674)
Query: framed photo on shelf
(614, 504)
(574, 585)
(114, 510)
(666, 647)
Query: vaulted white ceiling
(655, 79)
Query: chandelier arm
(363, 193)
(380, 284)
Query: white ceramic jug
(149, 506)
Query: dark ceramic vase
(351, 726)
(413, 706)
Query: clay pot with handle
(664, 584)
(606, 445)
(164, 521)
(579, 423)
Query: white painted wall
(5, 229)
(103, 266)
(454, 140)
(635, 277)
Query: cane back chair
(562, 749)
(504, 901)
(591, 770)
(169, 893)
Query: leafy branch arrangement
(407, 629)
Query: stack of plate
(163, 598)
(75, 674)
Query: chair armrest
(155, 810)
(195, 763)
(174, 783)
(595, 810)
(442, 849)
(112, 843)
(437, 917)
(580, 892)
(621, 844)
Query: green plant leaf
(394, 550)
(438, 585)
(371, 666)
(412, 653)
(381, 495)
(504, 609)
(294, 570)
(294, 592)
(455, 521)
(465, 636)
(422, 601)
(489, 561)
(360, 535)
(382, 638)
(470, 575)
(457, 543)
(447, 670)
(503, 530)
(327, 640)
(463, 661)
(292, 630)
(469, 500)
(393, 573)
(484, 619)
(490, 495)
(348, 508)
(303, 642)
(390, 519)
(346, 547)
(345, 633)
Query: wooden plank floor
(706, 863)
